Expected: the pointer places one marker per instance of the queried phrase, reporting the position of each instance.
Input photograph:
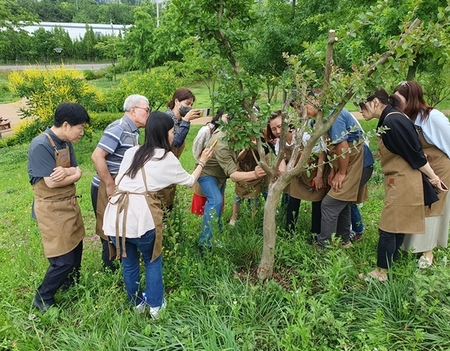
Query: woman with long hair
(408, 178)
(133, 216)
(434, 130)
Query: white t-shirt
(436, 130)
(159, 174)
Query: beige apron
(404, 209)
(154, 205)
(167, 195)
(301, 186)
(440, 163)
(250, 189)
(57, 212)
(102, 202)
(350, 190)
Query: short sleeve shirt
(345, 128)
(223, 161)
(117, 138)
(41, 156)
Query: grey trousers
(336, 214)
(336, 218)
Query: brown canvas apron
(167, 194)
(301, 186)
(154, 205)
(350, 190)
(102, 202)
(57, 212)
(404, 209)
(250, 189)
(440, 163)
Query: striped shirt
(117, 138)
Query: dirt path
(11, 111)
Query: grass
(315, 302)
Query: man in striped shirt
(118, 137)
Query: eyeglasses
(144, 108)
(404, 82)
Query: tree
(140, 40)
(222, 26)
(12, 15)
(195, 67)
(111, 47)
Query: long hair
(180, 95)
(415, 103)
(156, 136)
(215, 119)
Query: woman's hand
(192, 114)
(206, 154)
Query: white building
(78, 30)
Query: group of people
(135, 185)
(132, 186)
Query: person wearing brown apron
(198, 145)
(251, 190)
(134, 218)
(434, 130)
(53, 172)
(213, 180)
(408, 179)
(181, 112)
(308, 186)
(351, 168)
(118, 137)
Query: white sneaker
(141, 307)
(232, 222)
(154, 311)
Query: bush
(44, 91)
(158, 87)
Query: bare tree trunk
(265, 268)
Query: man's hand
(60, 173)
(337, 181)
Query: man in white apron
(53, 171)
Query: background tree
(111, 47)
(140, 40)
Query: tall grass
(314, 302)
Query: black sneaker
(42, 305)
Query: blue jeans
(154, 289)
(357, 223)
(213, 207)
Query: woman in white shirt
(133, 216)
(434, 130)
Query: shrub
(45, 90)
(158, 87)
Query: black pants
(293, 208)
(107, 263)
(388, 248)
(63, 271)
